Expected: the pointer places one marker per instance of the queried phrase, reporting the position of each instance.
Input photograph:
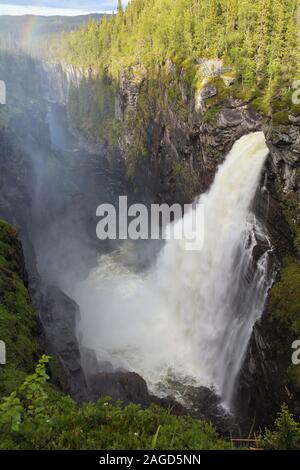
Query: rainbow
(27, 28)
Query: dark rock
(230, 118)
(259, 390)
(294, 119)
(207, 406)
(252, 118)
(59, 315)
(125, 386)
(284, 143)
(90, 363)
(196, 148)
(129, 387)
(199, 146)
(208, 92)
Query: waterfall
(190, 317)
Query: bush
(35, 417)
(286, 435)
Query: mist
(182, 321)
(174, 317)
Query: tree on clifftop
(120, 7)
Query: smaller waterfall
(192, 316)
(250, 282)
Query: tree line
(259, 38)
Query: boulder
(230, 118)
(59, 315)
(120, 385)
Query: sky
(57, 7)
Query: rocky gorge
(165, 145)
(174, 157)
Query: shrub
(35, 417)
(286, 435)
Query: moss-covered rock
(18, 320)
(284, 302)
(281, 118)
(283, 325)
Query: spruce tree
(120, 7)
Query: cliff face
(193, 131)
(268, 377)
(60, 78)
(49, 194)
(171, 142)
(173, 139)
(20, 178)
(172, 145)
(19, 326)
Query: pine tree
(259, 39)
(120, 7)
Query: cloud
(55, 7)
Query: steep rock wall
(184, 146)
(18, 178)
(172, 141)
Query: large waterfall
(190, 317)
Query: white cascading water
(191, 317)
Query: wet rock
(125, 386)
(252, 118)
(208, 406)
(258, 391)
(205, 93)
(230, 118)
(294, 119)
(284, 144)
(60, 77)
(208, 92)
(129, 387)
(129, 89)
(59, 315)
(89, 361)
(199, 146)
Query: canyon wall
(172, 141)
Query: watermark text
(157, 222)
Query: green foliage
(18, 320)
(91, 107)
(284, 303)
(211, 115)
(24, 94)
(259, 39)
(291, 208)
(112, 131)
(286, 435)
(261, 105)
(32, 417)
(156, 47)
(283, 324)
(282, 118)
(33, 395)
(30, 399)
(185, 180)
(10, 413)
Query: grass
(18, 320)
